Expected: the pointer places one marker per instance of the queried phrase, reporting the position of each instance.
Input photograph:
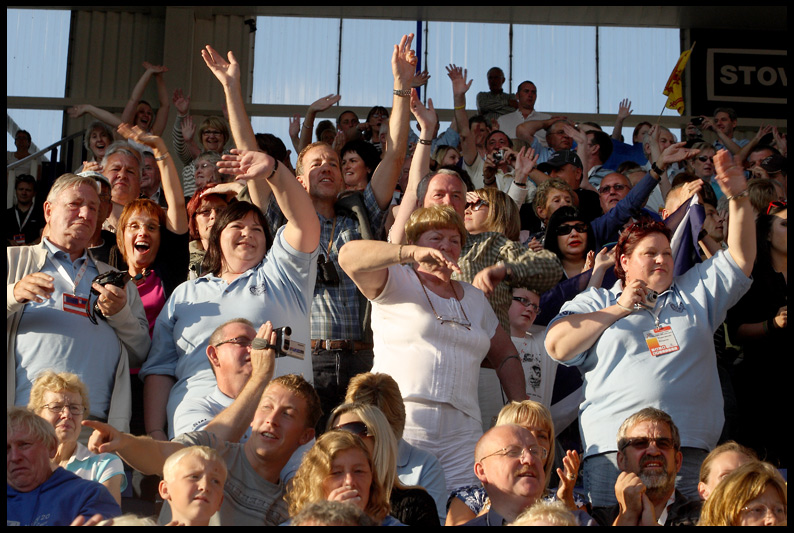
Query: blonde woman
(62, 400)
(754, 494)
(339, 468)
(412, 506)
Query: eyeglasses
(565, 229)
(642, 443)
(242, 342)
(210, 132)
(205, 165)
(57, 408)
(616, 187)
(526, 303)
(356, 428)
(136, 227)
(759, 511)
(704, 158)
(476, 206)
(516, 452)
(773, 205)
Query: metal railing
(64, 161)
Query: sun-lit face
(713, 224)
(213, 140)
(350, 471)
(243, 243)
(348, 418)
(232, 360)
(451, 158)
(27, 460)
(476, 216)
(522, 313)
(279, 424)
(98, 142)
(573, 245)
(72, 217)
(205, 215)
(445, 189)
(613, 188)
(514, 476)
(195, 490)
(355, 172)
(721, 466)
(206, 173)
(447, 240)
(67, 424)
(651, 261)
(150, 175)
(656, 465)
(322, 173)
(554, 200)
(768, 509)
(141, 240)
(124, 173)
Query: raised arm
(468, 147)
(741, 220)
(420, 166)
(307, 128)
(231, 423)
(302, 231)
(100, 114)
(727, 142)
(624, 112)
(384, 179)
(184, 129)
(128, 115)
(175, 215)
(367, 262)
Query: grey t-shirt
(248, 500)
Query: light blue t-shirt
(621, 376)
(57, 334)
(279, 289)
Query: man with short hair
(122, 166)
(649, 457)
(526, 96)
(598, 148)
(49, 319)
(25, 219)
(150, 180)
(283, 420)
(494, 102)
(38, 494)
(724, 125)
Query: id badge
(74, 304)
(19, 239)
(661, 340)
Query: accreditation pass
(661, 340)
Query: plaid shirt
(335, 308)
(536, 271)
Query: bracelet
(400, 255)
(425, 142)
(657, 170)
(742, 194)
(402, 92)
(630, 310)
(305, 126)
(506, 359)
(520, 185)
(460, 107)
(161, 158)
(272, 172)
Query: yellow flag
(673, 89)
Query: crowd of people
(520, 320)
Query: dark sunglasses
(773, 205)
(616, 187)
(476, 206)
(642, 443)
(566, 229)
(356, 428)
(704, 158)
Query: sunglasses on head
(356, 428)
(565, 229)
(642, 443)
(773, 205)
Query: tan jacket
(130, 325)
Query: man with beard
(649, 456)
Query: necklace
(453, 320)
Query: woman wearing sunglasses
(648, 341)
(412, 506)
(431, 334)
(570, 237)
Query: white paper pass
(661, 341)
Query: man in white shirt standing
(526, 95)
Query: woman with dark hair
(359, 161)
(249, 274)
(377, 116)
(570, 237)
(759, 323)
(648, 341)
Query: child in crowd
(192, 484)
